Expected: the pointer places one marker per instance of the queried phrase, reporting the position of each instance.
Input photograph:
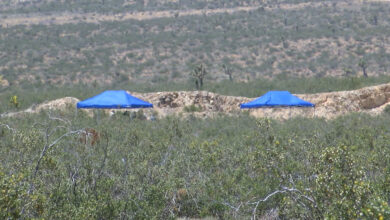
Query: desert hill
(111, 41)
(371, 100)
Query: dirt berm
(371, 100)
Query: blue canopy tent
(277, 99)
(114, 99)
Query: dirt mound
(372, 100)
(201, 103)
(58, 104)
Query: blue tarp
(114, 99)
(277, 99)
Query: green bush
(341, 187)
(387, 110)
(192, 108)
(196, 168)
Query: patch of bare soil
(4, 82)
(65, 18)
(203, 104)
(58, 104)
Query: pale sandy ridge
(66, 18)
(371, 100)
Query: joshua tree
(285, 21)
(363, 64)
(199, 73)
(375, 19)
(285, 43)
(228, 71)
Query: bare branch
(284, 190)
(236, 209)
(300, 194)
(263, 200)
(48, 147)
(8, 127)
(54, 130)
(40, 124)
(66, 121)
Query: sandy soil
(64, 18)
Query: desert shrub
(223, 167)
(15, 200)
(387, 110)
(341, 188)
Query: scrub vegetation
(62, 166)
(312, 39)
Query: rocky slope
(371, 100)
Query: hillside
(371, 100)
(163, 41)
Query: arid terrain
(371, 100)
(195, 154)
(72, 18)
(51, 42)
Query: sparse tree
(228, 71)
(285, 21)
(285, 43)
(363, 64)
(199, 73)
(375, 20)
(382, 58)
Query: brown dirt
(4, 83)
(371, 100)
